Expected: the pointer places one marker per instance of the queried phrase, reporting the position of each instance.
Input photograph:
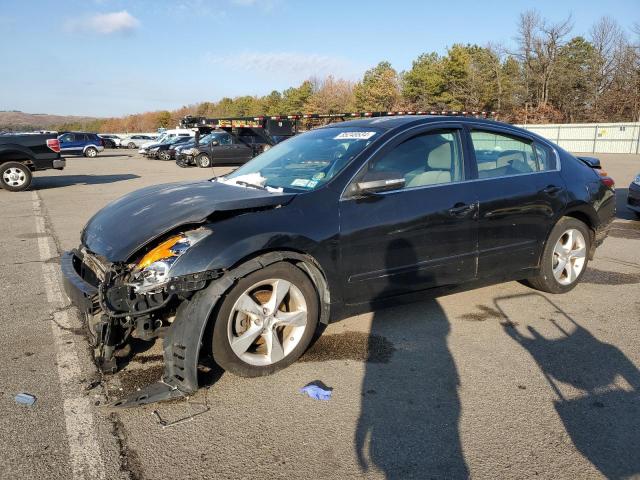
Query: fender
(184, 339)
(12, 148)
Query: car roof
(390, 123)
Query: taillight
(54, 144)
(608, 181)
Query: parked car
(81, 143)
(161, 151)
(110, 141)
(249, 265)
(223, 148)
(20, 155)
(135, 141)
(633, 198)
(166, 135)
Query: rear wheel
(565, 257)
(15, 176)
(91, 152)
(203, 160)
(266, 322)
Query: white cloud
(299, 64)
(105, 23)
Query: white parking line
(84, 449)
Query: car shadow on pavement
(58, 181)
(410, 408)
(603, 419)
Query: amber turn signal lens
(161, 251)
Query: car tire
(164, 156)
(565, 257)
(301, 299)
(637, 215)
(203, 160)
(91, 152)
(15, 177)
(131, 145)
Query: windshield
(306, 161)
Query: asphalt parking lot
(496, 382)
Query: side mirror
(214, 143)
(380, 182)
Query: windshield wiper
(247, 184)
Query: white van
(167, 134)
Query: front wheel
(164, 155)
(131, 145)
(90, 152)
(15, 176)
(266, 321)
(565, 257)
(203, 160)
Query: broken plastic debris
(317, 390)
(25, 399)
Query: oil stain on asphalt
(605, 277)
(626, 230)
(133, 379)
(349, 345)
(485, 313)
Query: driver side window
(225, 140)
(431, 158)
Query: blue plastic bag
(317, 392)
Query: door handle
(551, 189)
(461, 209)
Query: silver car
(135, 141)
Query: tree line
(547, 75)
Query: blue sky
(113, 57)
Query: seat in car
(438, 168)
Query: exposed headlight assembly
(153, 270)
(637, 180)
(155, 149)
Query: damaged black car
(247, 268)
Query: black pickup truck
(22, 154)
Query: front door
(416, 237)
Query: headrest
(440, 157)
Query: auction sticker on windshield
(354, 135)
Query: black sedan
(633, 198)
(161, 150)
(247, 267)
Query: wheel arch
(22, 155)
(183, 341)
(586, 214)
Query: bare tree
(609, 41)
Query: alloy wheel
(569, 256)
(14, 177)
(267, 322)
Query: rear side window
(428, 159)
(499, 155)
(546, 157)
(81, 137)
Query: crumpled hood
(122, 227)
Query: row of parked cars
(190, 147)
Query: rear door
(520, 194)
(242, 151)
(417, 237)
